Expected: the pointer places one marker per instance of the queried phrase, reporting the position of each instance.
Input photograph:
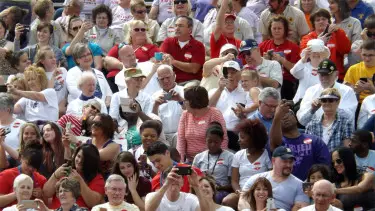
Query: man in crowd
(360, 10)
(361, 143)
(184, 53)
(307, 149)
(310, 104)
(167, 102)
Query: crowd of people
(191, 105)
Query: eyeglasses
(141, 12)
(76, 28)
(338, 161)
(270, 106)
(328, 100)
(139, 29)
(368, 55)
(180, 1)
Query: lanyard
(208, 162)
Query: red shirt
(192, 52)
(96, 184)
(288, 48)
(7, 178)
(76, 123)
(185, 188)
(143, 54)
(217, 44)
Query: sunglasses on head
(139, 29)
(328, 100)
(76, 28)
(180, 1)
(141, 12)
(338, 161)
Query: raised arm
(86, 26)
(276, 134)
(220, 19)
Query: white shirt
(167, 29)
(12, 138)
(14, 208)
(312, 208)
(123, 206)
(367, 109)
(348, 102)
(170, 112)
(224, 208)
(165, 8)
(120, 17)
(74, 74)
(76, 106)
(186, 202)
(60, 83)
(229, 100)
(37, 110)
(248, 15)
(306, 76)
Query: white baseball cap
(227, 47)
(231, 64)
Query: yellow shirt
(356, 72)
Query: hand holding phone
(167, 96)
(126, 105)
(29, 204)
(363, 79)
(183, 170)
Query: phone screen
(3, 88)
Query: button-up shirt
(361, 11)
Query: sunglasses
(338, 161)
(139, 29)
(76, 28)
(328, 100)
(180, 2)
(141, 12)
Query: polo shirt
(352, 27)
(361, 11)
(7, 178)
(296, 19)
(192, 52)
(168, 29)
(217, 44)
(289, 49)
(266, 122)
(356, 72)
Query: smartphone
(184, 170)
(7, 131)
(29, 204)
(167, 96)
(3, 88)
(225, 74)
(68, 164)
(306, 185)
(241, 104)
(270, 204)
(363, 79)
(281, 54)
(126, 104)
(326, 30)
(158, 56)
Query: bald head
(127, 56)
(324, 186)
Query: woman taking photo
(208, 188)
(137, 187)
(85, 169)
(256, 197)
(216, 162)
(246, 162)
(335, 39)
(352, 188)
(83, 57)
(12, 16)
(39, 98)
(194, 122)
(335, 125)
(280, 49)
(5, 45)
(102, 132)
(68, 191)
(100, 33)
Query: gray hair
(165, 66)
(114, 177)
(6, 101)
(326, 183)
(269, 92)
(85, 77)
(78, 50)
(22, 178)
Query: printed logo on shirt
(307, 141)
(350, 25)
(360, 16)
(300, 151)
(263, 74)
(188, 56)
(257, 166)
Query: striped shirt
(192, 133)
(76, 123)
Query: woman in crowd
(83, 57)
(137, 37)
(86, 83)
(305, 70)
(46, 59)
(44, 34)
(28, 133)
(137, 187)
(256, 197)
(335, 39)
(194, 123)
(150, 131)
(280, 49)
(53, 149)
(208, 188)
(308, 7)
(251, 159)
(5, 45)
(15, 62)
(85, 169)
(139, 12)
(102, 132)
(76, 34)
(161, 10)
(39, 98)
(68, 191)
(353, 188)
(221, 161)
(340, 11)
(335, 125)
(179, 8)
(12, 16)
(100, 33)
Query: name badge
(188, 56)
(201, 122)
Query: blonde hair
(132, 23)
(41, 55)
(36, 72)
(331, 91)
(20, 79)
(251, 73)
(189, 8)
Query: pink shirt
(192, 133)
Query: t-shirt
(7, 178)
(224, 208)
(357, 71)
(366, 164)
(96, 184)
(247, 169)
(12, 138)
(285, 193)
(221, 170)
(165, 9)
(37, 110)
(94, 48)
(76, 123)
(124, 206)
(60, 85)
(186, 202)
(308, 150)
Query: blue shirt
(366, 164)
(266, 122)
(361, 11)
(201, 8)
(94, 48)
(308, 150)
